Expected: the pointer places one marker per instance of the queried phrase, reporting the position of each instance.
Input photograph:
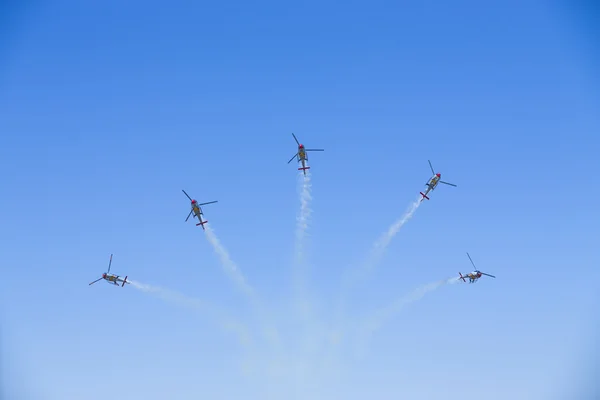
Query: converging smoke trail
(387, 237)
(169, 295)
(382, 243)
(229, 266)
(361, 272)
(174, 297)
(305, 212)
(302, 298)
(385, 314)
(233, 271)
(301, 228)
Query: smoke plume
(385, 314)
(171, 296)
(301, 228)
(230, 268)
(270, 332)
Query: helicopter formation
(301, 157)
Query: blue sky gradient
(108, 110)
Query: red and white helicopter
(111, 278)
(197, 210)
(301, 155)
(433, 182)
(475, 275)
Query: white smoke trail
(387, 237)
(170, 296)
(271, 334)
(380, 246)
(385, 314)
(301, 228)
(305, 212)
(229, 266)
(309, 372)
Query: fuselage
(302, 156)
(110, 278)
(473, 276)
(301, 153)
(433, 182)
(197, 210)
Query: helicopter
(301, 155)
(433, 182)
(111, 278)
(475, 275)
(197, 210)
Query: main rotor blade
(210, 202)
(99, 279)
(431, 166)
(446, 183)
(483, 273)
(314, 150)
(188, 196)
(188, 217)
(296, 139)
(291, 159)
(472, 261)
(109, 264)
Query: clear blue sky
(107, 111)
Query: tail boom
(202, 224)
